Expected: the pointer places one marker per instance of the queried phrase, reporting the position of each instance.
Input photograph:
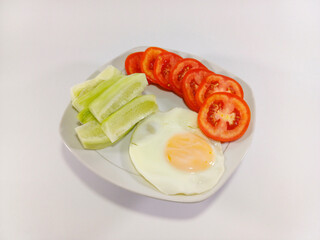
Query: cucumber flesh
(84, 87)
(117, 95)
(85, 116)
(83, 101)
(109, 72)
(118, 124)
(91, 136)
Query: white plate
(113, 163)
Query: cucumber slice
(85, 116)
(84, 87)
(83, 101)
(109, 72)
(124, 90)
(118, 124)
(91, 136)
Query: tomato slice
(132, 63)
(190, 84)
(163, 66)
(179, 70)
(147, 62)
(217, 83)
(224, 117)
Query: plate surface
(114, 164)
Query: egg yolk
(189, 152)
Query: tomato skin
(132, 63)
(224, 117)
(190, 84)
(179, 70)
(163, 66)
(217, 83)
(148, 59)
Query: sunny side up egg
(170, 151)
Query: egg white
(147, 153)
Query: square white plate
(114, 164)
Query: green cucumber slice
(84, 87)
(109, 72)
(117, 95)
(91, 136)
(83, 101)
(85, 116)
(118, 124)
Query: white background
(48, 46)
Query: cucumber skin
(116, 133)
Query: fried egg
(169, 150)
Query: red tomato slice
(217, 83)
(147, 61)
(163, 66)
(190, 84)
(224, 117)
(132, 63)
(179, 70)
